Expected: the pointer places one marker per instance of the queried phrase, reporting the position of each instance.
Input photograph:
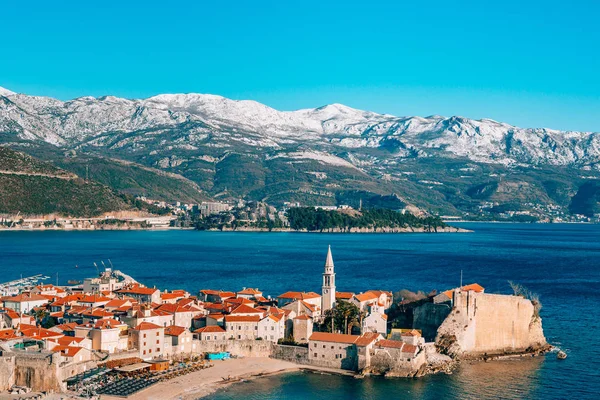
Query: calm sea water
(560, 262)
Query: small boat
(73, 282)
(561, 355)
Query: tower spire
(328, 289)
(329, 259)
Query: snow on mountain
(5, 92)
(210, 120)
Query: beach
(204, 382)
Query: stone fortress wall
(490, 324)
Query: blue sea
(560, 262)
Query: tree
(340, 315)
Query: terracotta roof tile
(174, 330)
(333, 337)
(210, 329)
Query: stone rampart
(244, 348)
(490, 324)
(295, 354)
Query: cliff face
(490, 324)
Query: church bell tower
(328, 292)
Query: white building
(328, 289)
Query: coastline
(448, 229)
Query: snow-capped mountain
(97, 121)
(327, 155)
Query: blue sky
(529, 63)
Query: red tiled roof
(380, 292)
(366, 296)
(303, 317)
(144, 326)
(174, 330)
(367, 338)
(116, 303)
(344, 295)
(39, 333)
(170, 296)
(94, 299)
(238, 300)
(138, 290)
(311, 307)
(250, 291)
(333, 337)
(67, 351)
(244, 309)
(210, 329)
(108, 324)
(8, 334)
(299, 295)
(69, 327)
(68, 340)
(20, 298)
(477, 288)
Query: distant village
(111, 317)
(256, 215)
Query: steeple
(328, 289)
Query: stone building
(302, 328)
(242, 327)
(148, 339)
(208, 333)
(333, 350)
(376, 320)
(178, 341)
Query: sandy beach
(201, 383)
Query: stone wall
(295, 354)
(490, 324)
(39, 371)
(244, 348)
(7, 372)
(389, 361)
(428, 318)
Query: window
(144, 351)
(208, 338)
(272, 328)
(341, 356)
(239, 336)
(239, 328)
(150, 351)
(332, 347)
(336, 356)
(315, 354)
(323, 346)
(144, 335)
(323, 356)
(157, 341)
(144, 344)
(157, 350)
(157, 334)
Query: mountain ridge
(242, 148)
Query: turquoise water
(560, 262)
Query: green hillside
(31, 186)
